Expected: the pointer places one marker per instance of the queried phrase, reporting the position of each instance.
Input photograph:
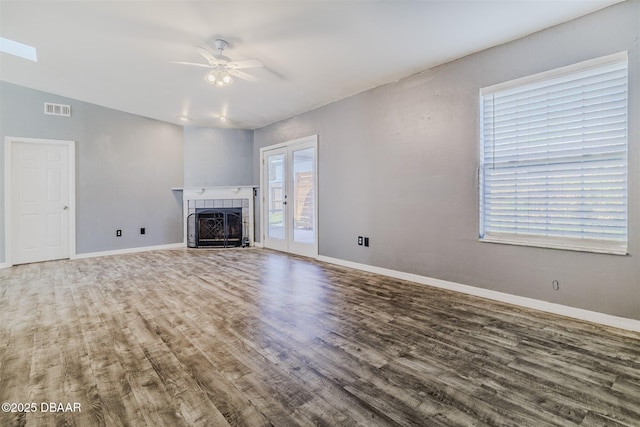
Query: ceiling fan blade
(246, 63)
(207, 55)
(192, 63)
(242, 75)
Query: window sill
(591, 246)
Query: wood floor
(251, 337)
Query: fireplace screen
(220, 227)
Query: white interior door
(40, 201)
(290, 197)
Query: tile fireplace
(218, 216)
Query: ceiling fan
(222, 68)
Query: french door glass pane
(275, 196)
(303, 196)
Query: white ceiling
(117, 53)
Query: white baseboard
(258, 244)
(3, 265)
(129, 251)
(549, 307)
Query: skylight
(18, 49)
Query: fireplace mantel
(241, 192)
(231, 192)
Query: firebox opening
(218, 227)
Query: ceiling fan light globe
(211, 77)
(219, 83)
(227, 79)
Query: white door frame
(311, 140)
(8, 189)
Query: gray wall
(399, 164)
(217, 157)
(125, 168)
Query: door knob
(65, 208)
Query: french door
(289, 204)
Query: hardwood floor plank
(102, 341)
(597, 420)
(230, 406)
(169, 398)
(250, 337)
(614, 404)
(15, 368)
(454, 394)
(627, 385)
(580, 356)
(279, 408)
(335, 403)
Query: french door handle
(64, 208)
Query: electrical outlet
(142, 230)
(118, 233)
(359, 240)
(366, 241)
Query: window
(553, 166)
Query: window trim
(557, 72)
(550, 242)
(532, 240)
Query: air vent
(57, 109)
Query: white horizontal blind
(554, 159)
